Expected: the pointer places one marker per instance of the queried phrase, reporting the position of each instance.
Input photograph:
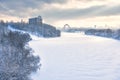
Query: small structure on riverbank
(37, 27)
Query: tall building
(36, 20)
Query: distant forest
(109, 33)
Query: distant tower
(106, 26)
(39, 20)
(22, 21)
(36, 20)
(95, 26)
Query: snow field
(75, 56)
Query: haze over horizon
(76, 13)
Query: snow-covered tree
(16, 59)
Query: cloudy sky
(76, 13)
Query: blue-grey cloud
(14, 4)
(94, 11)
(91, 0)
(109, 11)
(21, 7)
(72, 13)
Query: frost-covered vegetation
(16, 59)
(45, 30)
(36, 27)
(109, 33)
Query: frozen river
(77, 57)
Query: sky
(76, 13)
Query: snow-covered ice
(75, 56)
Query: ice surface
(75, 56)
